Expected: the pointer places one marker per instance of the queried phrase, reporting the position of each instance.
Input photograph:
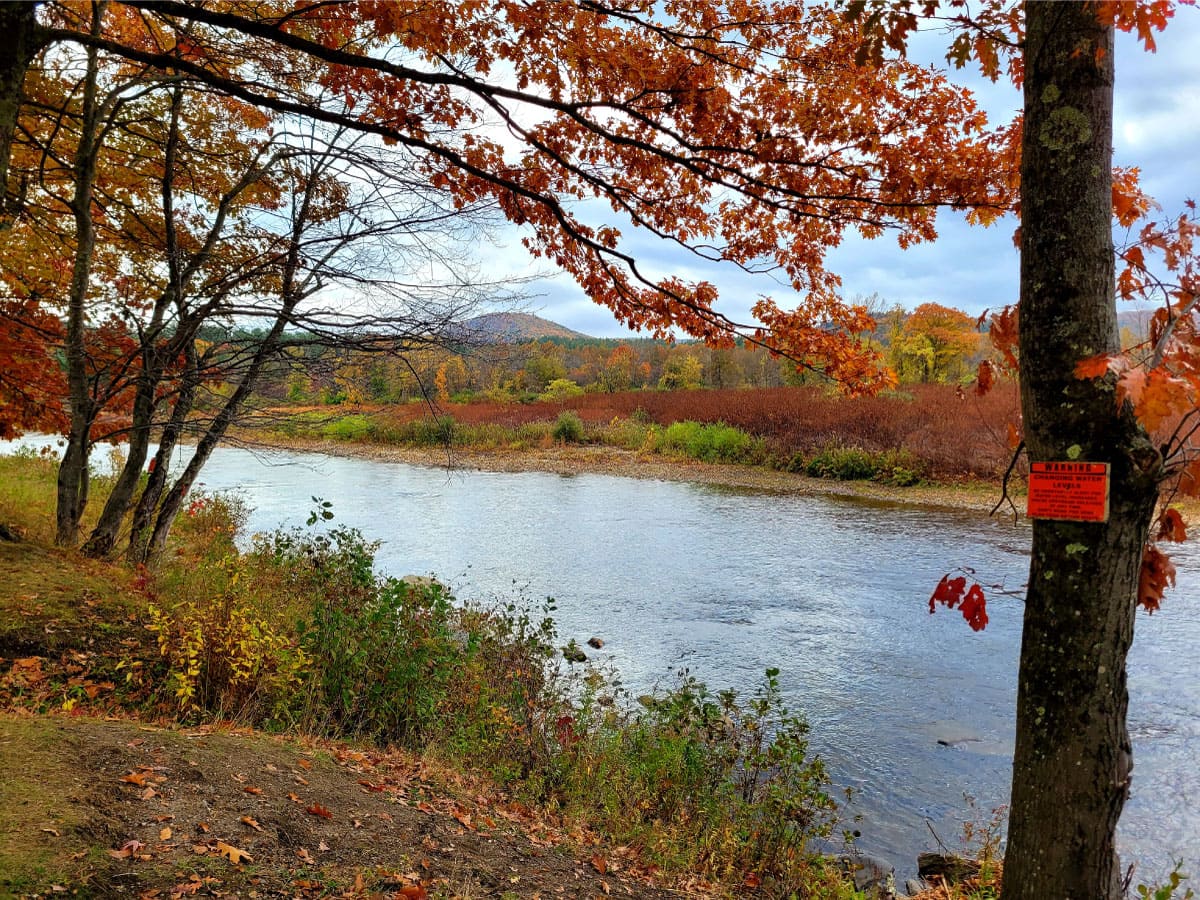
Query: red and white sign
(1071, 491)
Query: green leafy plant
(568, 428)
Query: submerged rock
(873, 876)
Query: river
(831, 590)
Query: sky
(1156, 127)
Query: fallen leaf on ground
(127, 850)
(165, 834)
(318, 810)
(234, 854)
(600, 864)
(253, 790)
(251, 823)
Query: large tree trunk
(1072, 762)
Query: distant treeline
(932, 344)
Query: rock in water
(874, 877)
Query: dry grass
(954, 434)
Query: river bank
(575, 459)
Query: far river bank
(575, 459)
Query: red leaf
(974, 608)
(949, 591)
(1171, 526)
(318, 810)
(984, 378)
(952, 592)
(1158, 573)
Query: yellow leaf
(234, 855)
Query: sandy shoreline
(574, 460)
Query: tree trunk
(18, 24)
(173, 501)
(104, 535)
(73, 473)
(1072, 761)
(143, 514)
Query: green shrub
(842, 463)
(628, 434)
(568, 428)
(347, 428)
(898, 467)
(710, 443)
(735, 780)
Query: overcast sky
(1156, 127)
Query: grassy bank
(293, 651)
(931, 432)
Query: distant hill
(510, 328)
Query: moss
(1065, 128)
(39, 823)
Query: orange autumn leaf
(318, 810)
(233, 854)
(1157, 574)
(1014, 435)
(1094, 366)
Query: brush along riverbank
(280, 721)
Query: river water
(833, 591)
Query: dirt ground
(116, 808)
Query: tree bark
(143, 513)
(18, 24)
(73, 471)
(1072, 761)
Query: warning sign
(1075, 491)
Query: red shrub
(954, 433)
